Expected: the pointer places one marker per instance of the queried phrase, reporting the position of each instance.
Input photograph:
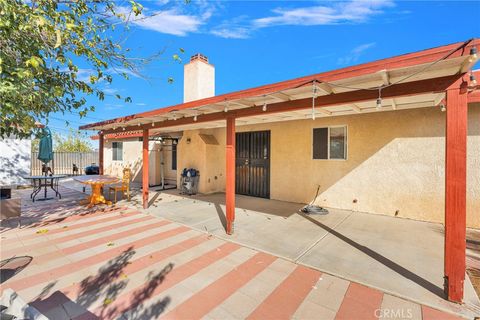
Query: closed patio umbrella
(45, 148)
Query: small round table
(97, 182)
(44, 182)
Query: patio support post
(145, 169)
(100, 152)
(230, 174)
(455, 190)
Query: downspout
(162, 165)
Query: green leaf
(47, 44)
(35, 62)
(58, 34)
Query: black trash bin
(92, 169)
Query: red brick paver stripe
(99, 241)
(360, 302)
(288, 296)
(214, 294)
(66, 213)
(72, 236)
(432, 314)
(59, 226)
(130, 300)
(69, 268)
(146, 261)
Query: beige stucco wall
(132, 158)
(395, 163)
(193, 152)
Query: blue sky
(258, 42)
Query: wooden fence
(62, 162)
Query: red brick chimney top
(199, 56)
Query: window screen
(320, 143)
(330, 143)
(117, 151)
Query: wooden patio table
(97, 182)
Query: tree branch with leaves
(42, 45)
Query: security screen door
(253, 163)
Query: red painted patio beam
(455, 190)
(145, 169)
(473, 97)
(230, 175)
(398, 90)
(100, 152)
(402, 61)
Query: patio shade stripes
(231, 275)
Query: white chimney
(199, 79)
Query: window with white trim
(330, 143)
(117, 151)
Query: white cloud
(110, 91)
(172, 21)
(141, 104)
(120, 70)
(235, 28)
(110, 106)
(363, 47)
(355, 53)
(344, 12)
(232, 33)
(356, 11)
(82, 74)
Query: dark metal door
(253, 163)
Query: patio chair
(124, 187)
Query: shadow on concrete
(382, 259)
(12, 266)
(135, 308)
(221, 216)
(268, 206)
(108, 283)
(151, 202)
(107, 290)
(46, 213)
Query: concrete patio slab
(404, 257)
(259, 229)
(399, 256)
(173, 271)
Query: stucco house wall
(209, 159)
(132, 158)
(395, 163)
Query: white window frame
(114, 149)
(345, 146)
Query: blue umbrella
(45, 148)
